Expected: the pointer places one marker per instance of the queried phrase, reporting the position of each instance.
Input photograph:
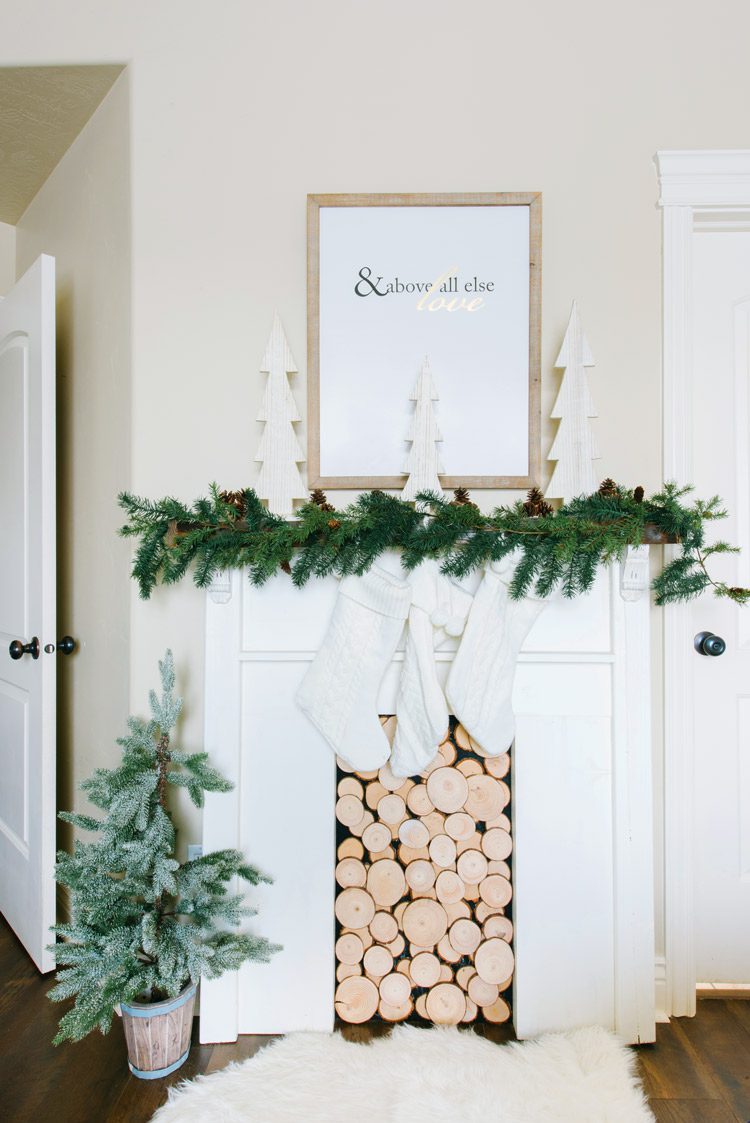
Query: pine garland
(561, 548)
(142, 924)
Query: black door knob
(18, 649)
(66, 646)
(706, 643)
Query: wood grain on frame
(533, 200)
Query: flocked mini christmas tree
(279, 452)
(142, 924)
(423, 462)
(574, 447)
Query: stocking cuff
(380, 592)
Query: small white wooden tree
(279, 451)
(574, 447)
(423, 462)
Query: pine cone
(609, 489)
(638, 494)
(319, 498)
(234, 499)
(461, 498)
(334, 524)
(536, 504)
(285, 566)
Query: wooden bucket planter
(158, 1034)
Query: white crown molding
(710, 178)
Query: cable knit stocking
(339, 693)
(480, 684)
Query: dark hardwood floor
(697, 1072)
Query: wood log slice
(447, 952)
(418, 801)
(420, 876)
(397, 946)
(405, 788)
(376, 837)
(415, 949)
(502, 822)
(374, 792)
(413, 833)
(448, 789)
(500, 926)
(469, 767)
(424, 922)
(363, 933)
(404, 967)
(384, 927)
(442, 850)
(436, 762)
(484, 994)
(351, 872)
(471, 1011)
(463, 974)
(465, 936)
(350, 848)
(406, 854)
(389, 723)
(386, 883)
(359, 828)
(473, 842)
(497, 1013)
(493, 960)
(446, 1004)
(447, 752)
(392, 809)
(398, 912)
(420, 1005)
(356, 999)
(354, 908)
(499, 867)
(349, 810)
(486, 798)
(449, 887)
(425, 969)
(460, 826)
(395, 1013)
(346, 970)
(456, 910)
(378, 961)
(496, 844)
(461, 737)
(497, 766)
(471, 892)
(446, 973)
(349, 948)
(496, 890)
(435, 823)
(350, 786)
(395, 989)
(390, 782)
(482, 911)
(471, 866)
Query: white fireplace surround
(581, 811)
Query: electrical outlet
(195, 850)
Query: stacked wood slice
(423, 889)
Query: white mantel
(581, 810)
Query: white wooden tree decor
(574, 447)
(423, 462)
(279, 452)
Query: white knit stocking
(339, 693)
(480, 683)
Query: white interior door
(721, 686)
(27, 608)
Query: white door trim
(696, 189)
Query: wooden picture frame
(525, 432)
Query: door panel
(27, 608)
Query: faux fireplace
(582, 881)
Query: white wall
(82, 217)
(240, 109)
(7, 257)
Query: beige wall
(82, 217)
(7, 257)
(241, 108)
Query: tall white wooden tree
(279, 451)
(574, 447)
(423, 461)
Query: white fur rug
(421, 1076)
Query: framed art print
(395, 279)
